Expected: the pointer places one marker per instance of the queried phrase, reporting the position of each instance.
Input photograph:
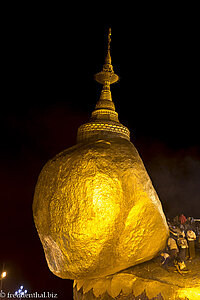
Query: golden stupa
(95, 208)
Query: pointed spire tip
(107, 74)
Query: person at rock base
(165, 260)
(182, 245)
(191, 237)
(173, 249)
(182, 219)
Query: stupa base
(145, 281)
(79, 295)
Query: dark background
(48, 62)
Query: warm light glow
(95, 209)
(3, 274)
(189, 293)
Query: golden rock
(94, 207)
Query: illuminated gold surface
(192, 293)
(104, 121)
(94, 207)
(149, 277)
(96, 210)
(125, 284)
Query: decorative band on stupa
(104, 122)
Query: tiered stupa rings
(104, 121)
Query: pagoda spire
(107, 75)
(104, 122)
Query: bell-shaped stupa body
(95, 208)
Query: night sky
(49, 91)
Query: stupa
(95, 208)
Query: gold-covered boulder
(96, 210)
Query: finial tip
(109, 38)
